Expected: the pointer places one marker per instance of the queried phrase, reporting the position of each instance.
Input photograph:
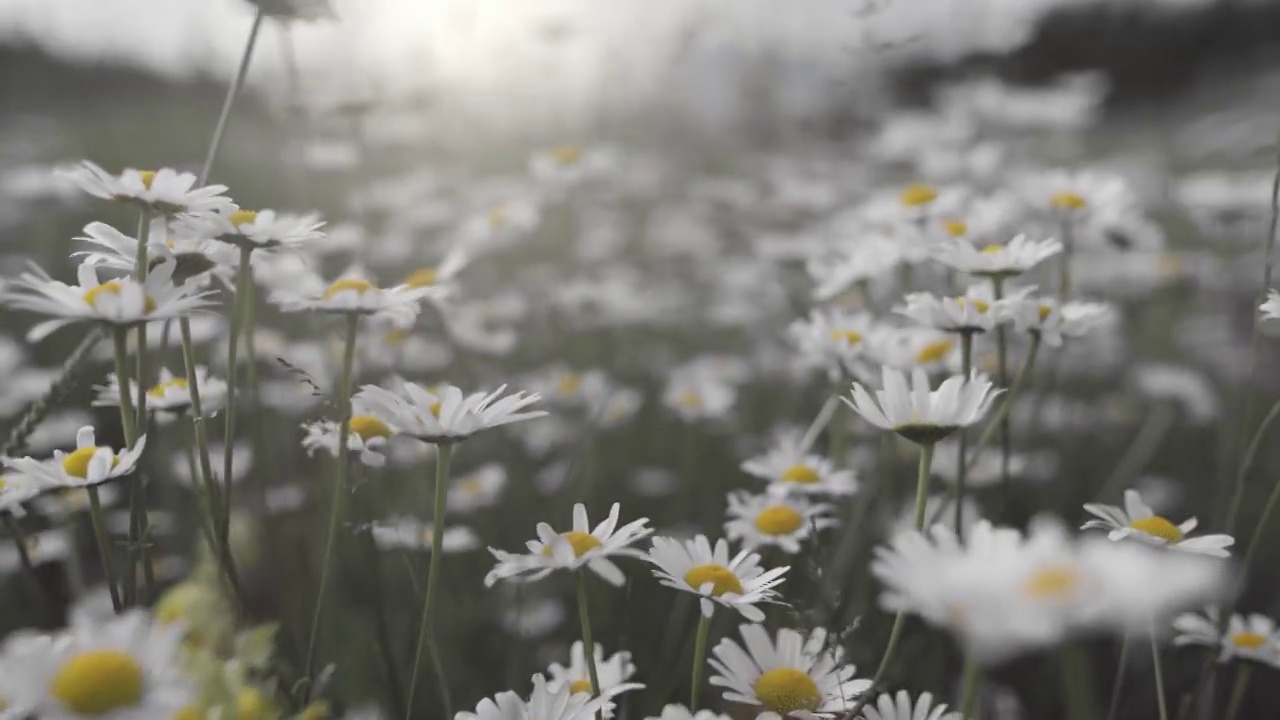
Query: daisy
(792, 677)
(353, 296)
(914, 347)
(88, 464)
(1248, 637)
(580, 547)
(253, 229)
(696, 396)
(680, 712)
(919, 414)
(476, 328)
(900, 707)
(1136, 520)
(443, 414)
(16, 488)
(171, 394)
(773, 520)
(440, 278)
(788, 469)
(185, 471)
(1052, 322)
(406, 533)
(1076, 196)
(367, 435)
(480, 488)
(165, 191)
(694, 566)
(128, 668)
(546, 704)
(832, 340)
(121, 302)
(976, 311)
(195, 258)
(1013, 258)
(1271, 308)
(612, 671)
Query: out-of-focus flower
(772, 520)
(1247, 637)
(164, 191)
(443, 413)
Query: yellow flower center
(1052, 582)
(916, 195)
(1044, 311)
(422, 277)
(113, 287)
(992, 249)
(690, 399)
(368, 426)
(802, 474)
(76, 464)
(852, 337)
(159, 390)
(570, 384)
(579, 686)
(241, 218)
(1248, 640)
(3, 484)
(497, 218)
(934, 352)
(581, 542)
(721, 578)
(190, 712)
(779, 520)
(786, 690)
(96, 682)
(979, 305)
(1158, 527)
(397, 336)
(356, 284)
(317, 710)
(1067, 201)
(566, 154)
(955, 228)
(148, 177)
(252, 704)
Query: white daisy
(170, 394)
(790, 677)
(122, 302)
(1012, 258)
(186, 472)
(1138, 521)
(164, 191)
(253, 229)
(480, 488)
(444, 414)
(788, 469)
(1052, 322)
(976, 311)
(128, 668)
(580, 547)
(1247, 637)
(915, 347)
(832, 340)
(88, 464)
(439, 278)
(900, 707)
(696, 396)
(545, 704)
(367, 435)
(773, 520)
(195, 258)
(353, 296)
(476, 327)
(16, 488)
(1271, 308)
(680, 712)
(406, 533)
(1076, 196)
(694, 566)
(918, 413)
(612, 671)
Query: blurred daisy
(88, 464)
(443, 413)
(694, 566)
(186, 471)
(976, 311)
(171, 394)
(16, 488)
(406, 533)
(832, 340)
(918, 413)
(696, 396)
(915, 347)
(612, 671)
(546, 704)
(1186, 387)
(1052, 322)
(438, 279)
(253, 229)
(1247, 637)
(164, 191)
(367, 436)
(384, 347)
(1271, 308)
(1013, 258)
(480, 488)
(1077, 195)
(680, 712)
(532, 617)
(1136, 520)
(128, 668)
(900, 707)
(195, 258)
(122, 302)
(792, 676)
(569, 164)
(353, 296)
(61, 504)
(580, 547)
(771, 520)
(790, 470)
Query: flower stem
(426, 626)
(1077, 677)
(339, 488)
(588, 644)
(104, 546)
(1243, 675)
(1002, 374)
(971, 678)
(1246, 464)
(127, 417)
(962, 471)
(244, 276)
(699, 659)
(232, 92)
(1064, 269)
(922, 482)
(39, 602)
(1117, 688)
(1019, 381)
(1155, 664)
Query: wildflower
(1076, 196)
(439, 278)
(546, 704)
(354, 295)
(900, 707)
(1013, 258)
(1271, 308)
(406, 533)
(771, 520)
(88, 464)
(1185, 387)
(696, 396)
(443, 414)
(164, 191)
(918, 413)
(788, 469)
(680, 712)
(1052, 322)
(17, 487)
(612, 671)
(580, 547)
(367, 435)
(788, 675)
(171, 394)
(833, 341)
(976, 311)
(253, 229)
(480, 488)
(1247, 637)
(533, 617)
(694, 566)
(1136, 520)
(195, 258)
(119, 303)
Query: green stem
(1140, 452)
(127, 417)
(1002, 374)
(221, 128)
(962, 470)
(1077, 679)
(1243, 675)
(1246, 464)
(130, 422)
(699, 659)
(1064, 269)
(1117, 688)
(922, 482)
(426, 626)
(970, 680)
(1155, 664)
(244, 277)
(339, 491)
(104, 546)
(1002, 412)
(39, 603)
(588, 644)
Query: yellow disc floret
(579, 686)
(566, 154)
(147, 177)
(368, 427)
(1157, 526)
(570, 384)
(581, 542)
(802, 474)
(722, 579)
(934, 352)
(1248, 640)
(97, 682)
(356, 284)
(779, 520)
(76, 464)
(176, 383)
(1052, 582)
(241, 218)
(1067, 201)
(852, 337)
(423, 277)
(916, 195)
(786, 690)
(114, 287)
(955, 228)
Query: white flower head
(900, 707)
(195, 258)
(164, 191)
(976, 311)
(787, 676)
(354, 295)
(739, 583)
(480, 488)
(1012, 258)
(612, 671)
(833, 341)
(697, 395)
(17, 487)
(546, 704)
(1247, 637)
(680, 712)
(1271, 308)
(788, 469)
(366, 436)
(253, 229)
(443, 413)
(88, 464)
(1137, 521)
(406, 533)
(919, 413)
(772, 520)
(1052, 322)
(171, 394)
(580, 547)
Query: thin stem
(1077, 677)
(588, 644)
(1246, 464)
(127, 417)
(1140, 452)
(138, 550)
(244, 276)
(39, 602)
(339, 490)
(922, 482)
(1243, 675)
(820, 422)
(1002, 374)
(1064, 269)
(970, 680)
(220, 129)
(699, 659)
(1117, 688)
(130, 424)
(962, 471)
(104, 546)
(1019, 381)
(426, 626)
(1155, 664)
